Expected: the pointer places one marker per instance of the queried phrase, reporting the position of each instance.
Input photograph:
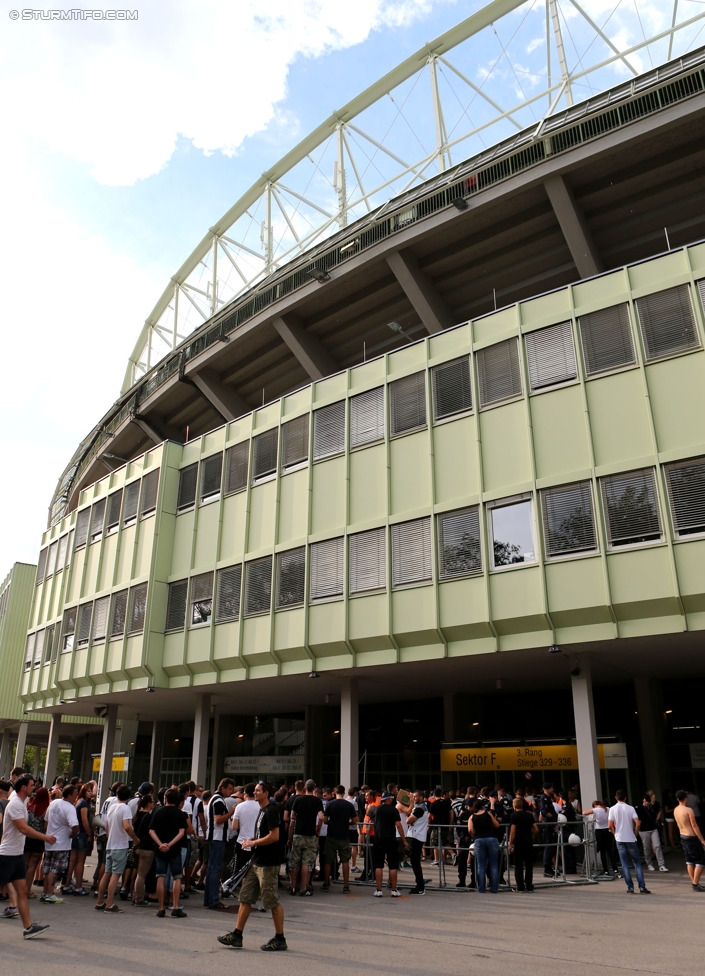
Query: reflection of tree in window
(634, 510)
(202, 611)
(512, 534)
(507, 554)
(463, 557)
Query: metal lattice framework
(506, 68)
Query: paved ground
(596, 926)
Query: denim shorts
(170, 861)
(693, 850)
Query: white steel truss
(506, 68)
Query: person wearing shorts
(62, 821)
(119, 832)
(340, 815)
(305, 819)
(262, 878)
(691, 840)
(387, 827)
(167, 830)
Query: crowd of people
(159, 850)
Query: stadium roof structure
(532, 144)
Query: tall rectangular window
(367, 417)
(264, 455)
(631, 508)
(187, 487)
(568, 521)
(97, 519)
(227, 594)
(82, 520)
(118, 613)
(258, 586)
(211, 473)
(138, 605)
(451, 388)
(411, 552)
(38, 649)
(83, 627)
(130, 503)
(42, 564)
(686, 488)
(550, 354)
(51, 559)
(667, 322)
(61, 554)
(512, 532)
(367, 561)
(291, 574)
(148, 494)
(49, 643)
(459, 542)
(100, 618)
(407, 403)
(114, 508)
(176, 605)
(29, 651)
(68, 629)
(498, 374)
(236, 464)
(201, 602)
(295, 442)
(606, 337)
(329, 430)
(326, 569)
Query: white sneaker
(651, 867)
(396, 893)
(378, 894)
(663, 867)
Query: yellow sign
(513, 757)
(120, 764)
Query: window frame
(297, 553)
(512, 500)
(550, 550)
(470, 512)
(402, 577)
(439, 370)
(698, 531)
(637, 538)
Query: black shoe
(276, 944)
(644, 891)
(461, 884)
(325, 887)
(417, 891)
(233, 940)
(291, 889)
(178, 913)
(161, 913)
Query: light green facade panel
(619, 418)
(293, 507)
(561, 443)
(410, 473)
(329, 481)
(456, 461)
(369, 485)
(677, 395)
(506, 458)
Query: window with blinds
(258, 586)
(459, 551)
(295, 442)
(100, 618)
(667, 322)
(498, 374)
(550, 355)
(329, 430)
(38, 649)
(61, 554)
(227, 594)
(291, 578)
(631, 508)
(148, 494)
(68, 629)
(511, 532)
(367, 417)
(176, 605)
(201, 603)
(451, 388)
(686, 489)
(83, 625)
(606, 338)
(236, 464)
(411, 552)
(138, 605)
(187, 487)
(211, 474)
(118, 613)
(326, 569)
(407, 404)
(50, 643)
(114, 506)
(97, 519)
(51, 558)
(82, 520)
(41, 565)
(568, 519)
(367, 561)
(264, 455)
(29, 651)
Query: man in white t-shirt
(12, 863)
(118, 827)
(62, 821)
(624, 824)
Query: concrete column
(216, 761)
(349, 735)
(5, 742)
(649, 703)
(585, 732)
(21, 743)
(106, 755)
(201, 727)
(52, 749)
(155, 753)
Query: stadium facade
(473, 489)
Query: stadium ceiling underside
(610, 182)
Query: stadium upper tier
(609, 181)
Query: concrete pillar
(155, 753)
(201, 727)
(21, 743)
(5, 754)
(106, 754)
(216, 761)
(585, 732)
(52, 749)
(649, 703)
(349, 735)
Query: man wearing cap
(145, 789)
(387, 827)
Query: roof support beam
(148, 428)
(419, 289)
(305, 347)
(228, 404)
(574, 226)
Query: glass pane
(512, 534)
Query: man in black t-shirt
(387, 827)
(305, 819)
(521, 843)
(263, 875)
(167, 828)
(339, 815)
